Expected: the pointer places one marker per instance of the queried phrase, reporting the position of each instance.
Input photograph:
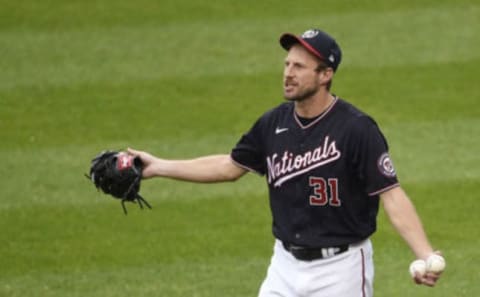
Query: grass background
(182, 79)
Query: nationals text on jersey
(290, 165)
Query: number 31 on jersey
(325, 191)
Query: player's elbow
(232, 175)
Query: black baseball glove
(118, 174)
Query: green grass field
(183, 79)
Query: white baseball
(419, 266)
(435, 263)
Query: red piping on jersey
(384, 189)
(245, 167)
(363, 273)
(318, 119)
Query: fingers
(145, 157)
(148, 160)
(429, 279)
(133, 152)
(430, 271)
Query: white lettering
(291, 165)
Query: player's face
(300, 77)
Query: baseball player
(327, 168)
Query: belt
(308, 254)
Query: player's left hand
(428, 279)
(432, 274)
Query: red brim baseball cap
(318, 43)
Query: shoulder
(279, 110)
(269, 119)
(348, 109)
(360, 127)
(352, 115)
(276, 113)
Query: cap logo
(331, 58)
(310, 33)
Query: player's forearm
(209, 169)
(404, 218)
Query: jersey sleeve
(371, 159)
(248, 152)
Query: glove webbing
(137, 197)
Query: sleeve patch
(385, 165)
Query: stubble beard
(302, 96)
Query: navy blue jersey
(324, 177)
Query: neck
(315, 105)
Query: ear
(325, 75)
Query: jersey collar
(319, 117)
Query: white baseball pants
(349, 274)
